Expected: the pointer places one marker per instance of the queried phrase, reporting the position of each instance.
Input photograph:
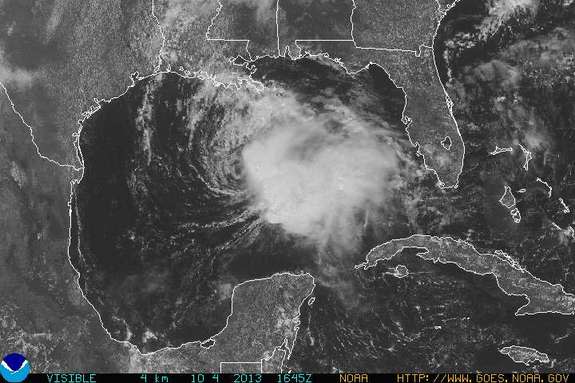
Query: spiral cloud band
(316, 173)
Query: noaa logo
(14, 368)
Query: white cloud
(500, 11)
(14, 76)
(266, 9)
(318, 175)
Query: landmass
(507, 67)
(381, 24)
(409, 63)
(525, 355)
(70, 336)
(260, 331)
(57, 58)
(542, 296)
(400, 271)
(427, 112)
(507, 199)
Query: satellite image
(268, 186)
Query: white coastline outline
(200, 74)
(265, 360)
(157, 70)
(133, 347)
(498, 150)
(528, 157)
(369, 264)
(98, 105)
(549, 187)
(94, 107)
(127, 343)
(507, 190)
(407, 122)
(448, 101)
(196, 74)
(566, 209)
(31, 132)
(246, 41)
(285, 343)
(534, 358)
(404, 117)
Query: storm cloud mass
(314, 174)
(232, 184)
